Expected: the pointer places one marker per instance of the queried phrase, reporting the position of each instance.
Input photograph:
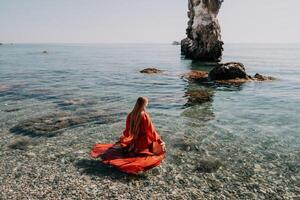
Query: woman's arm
(153, 134)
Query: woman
(139, 148)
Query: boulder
(151, 71)
(227, 71)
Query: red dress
(146, 153)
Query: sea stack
(203, 41)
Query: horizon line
(10, 43)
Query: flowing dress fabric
(141, 157)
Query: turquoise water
(256, 123)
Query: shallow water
(256, 123)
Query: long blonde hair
(136, 115)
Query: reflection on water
(243, 134)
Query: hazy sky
(146, 21)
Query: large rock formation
(203, 40)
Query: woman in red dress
(139, 148)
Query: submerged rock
(195, 97)
(209, 165)
(51, 125)
(76, 102)
(151, 71)
(227, 71)
(203, 41)
(260, 77)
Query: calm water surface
(261, 119)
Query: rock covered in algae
(52, 124)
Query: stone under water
(195, 97)
(203, 41)
(53, 124)
(151, 71)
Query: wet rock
(196, 75)
(227, 71)
(209, 165)
(195, 97)
(237, 81)
(260, 77)
(151, 71)
(52, 125)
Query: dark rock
(209, 165)
(151, 71)
(51, 125)
(198, 97)
(1, 43)
(175, 43)
(45, 52)
(228, 71)
(203, 41)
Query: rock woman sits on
(139, 148)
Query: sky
(142, 21)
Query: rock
(196, 75)
(195, 97)
(151, 71)
(45, 52)
(203, 41)
(237, 81)
(260, 77)
(175, 43)
(1, 43)
(51, 125)
(228, 71)
(209, 165)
